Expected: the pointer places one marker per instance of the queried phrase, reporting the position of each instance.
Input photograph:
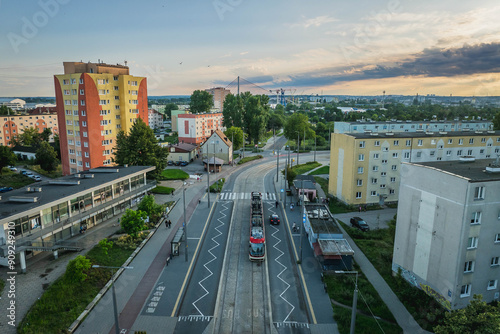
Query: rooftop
(321, 220)
(375, 135)
(367, 121)
(474, 171)
(67, 187)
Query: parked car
(37, 178)
(170, 163)
(177, 163)
(5, 189)
(360, 224)
(184, 163)
(12, 168)
(274, 219)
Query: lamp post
(208, 176)
(117, 325)
(302, 225)
(286, 169)
(185, 223)
(354, 298)
(298, 148)
(314, 148)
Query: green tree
(140, 148)
(76, 268)
(45, 134)
(132, 222)
(233, 111)
(7, 157)
(57, 146)
(30, 137)
(290, 175)
(275, 121)
(105, 245)
(201, 101)
(296, 125)
(236, 136)
(496, 122)
(256, 115)
(477, 318)
(168, 109)
(150, 207)
(46, 157)
(4, 110)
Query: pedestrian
(166, 223)
(172, 193)
(360, 208)
(169, 223)
(276, 203)
(168, 260)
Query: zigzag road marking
(200, 283)
(275, 246)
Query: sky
(360, 47)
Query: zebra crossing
(230, 196)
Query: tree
(105, 245)
(233, 111)
(7, 157)
(46, 157)
(276, 121)
(132, 222)
(75, 270)
(496, 122)
(140, 148)
(256, 115)
(296, 125)
(45, 134)
(168, 109)
(150, 207)
(477, 318)
(236, 136)
(201, 101)
(4, 110)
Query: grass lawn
(55, 174)
(63, 301)
(304, 168)
(13, 179)
(364, 324)
(162, 190)
(378, 247)
(247, 159)
(174, 174)
(217, 187)
(322, 170)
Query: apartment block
(155, 119)
(365, 167)
(13, 125)
(94, 102)
(362, 126)
(197, 128)
(447, 239)
(219, 95)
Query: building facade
(196, 128)
(448, 230)
(218, 145)
(13, 125)
(94, 102)
(410, 126)
(365, 167)
(45, 215)
(219, 95)
(16, 104)
(155, 119)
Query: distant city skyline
(321, 47)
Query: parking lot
(374, 218)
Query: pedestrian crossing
(230, 196)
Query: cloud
(243, 53)
(316, 22)
(431, 62)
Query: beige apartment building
(13, 125)
(219, 95)
(365, 168)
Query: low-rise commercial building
(448, 230)
(362, 126)
(44, 216)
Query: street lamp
(208, 175)
(286, 169)
(354, 298)
(117, 325)
(185, 223)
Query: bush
(247, 159)
(75, 271)
(130, 242)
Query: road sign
(282, 191)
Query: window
(479, 193)
(382, 186)
(476, 218)
(359, 183)
(85, 133)
(495, 261)
(465, 290)
(84, 123)
(65, 82)
(383, 173)
(82, 102)
(362, 144)
(71, 151)
(373, 193)
(73, 81)
(85, 144)
(384, 162)
(360, 170)
(385, 149)
(84, 113)
(86, 154)
(87, 165)
(69, 122)
(419, 154)
(408, 142)
(82, 92)
(116, 88)
(450, 141)
(471, 141)
(75, 102)
(394, 155)
(420, 142)
(117, 97)
(79, 163)
(81, 81)
(376, 143)
(492, 284)
(393, 179)
(448, 153)
(374, 181)
(469, 267)
(407, 155)
(361, 157)
(459, 152)
(432, 153)
(66, 92)
(67, 102)
(375, 168)
(394, 167)
(392, 191)
(396, 143)
(115, 77)
(472, 243)
(102, 102)
(375, 156)
(73, 92)
(100, 81)
(483, 140)
(358, 194)
(460, 141)
(72, 161)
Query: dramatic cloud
(435, 62)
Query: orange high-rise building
(94, 102)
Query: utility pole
(302, 214)
(298, 148)
(208, 174)
(314, 148)
(277, 165)
(185, 222)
